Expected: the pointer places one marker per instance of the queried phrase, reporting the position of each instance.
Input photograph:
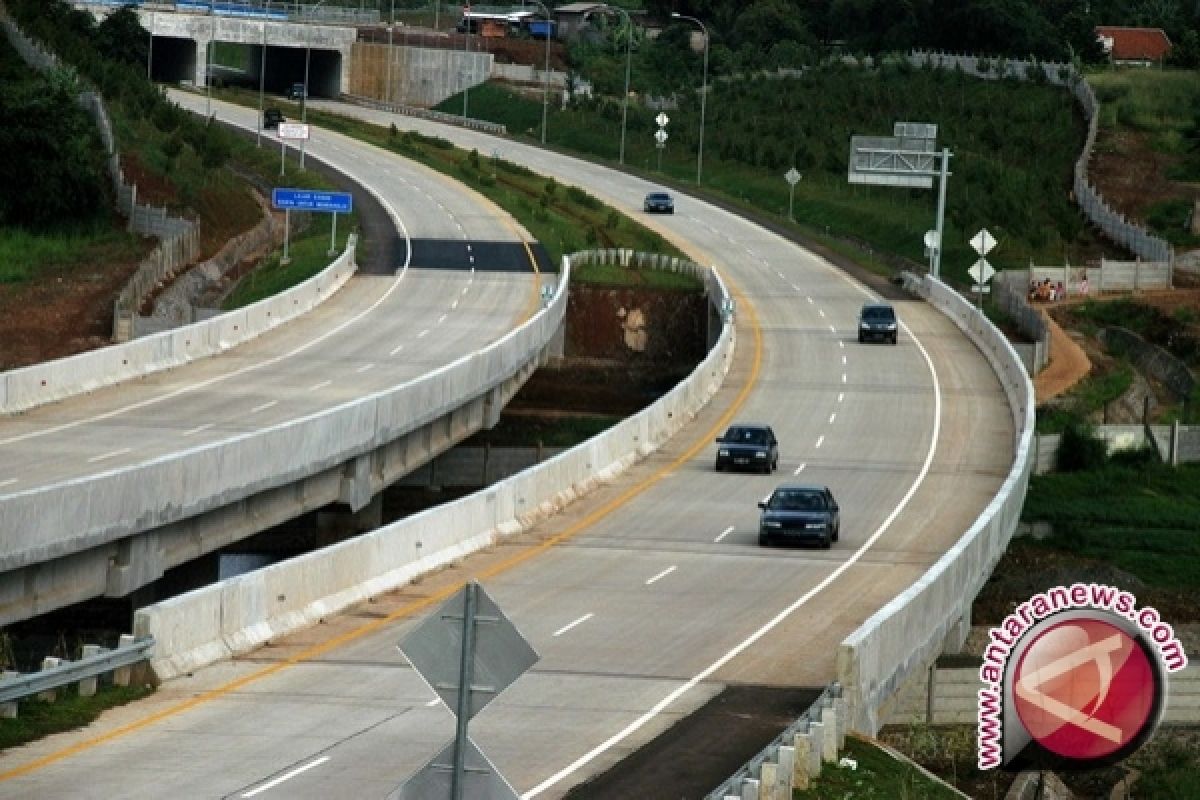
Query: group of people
(1046, 291)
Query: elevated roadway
(644, 599)
(103, 492)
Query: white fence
(904, 637)
(238, 614)
(1114, 224)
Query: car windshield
(879, 313)
(797, 500)
(746, 436)
(658, 196)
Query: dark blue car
(749, 447)
(659, 203)
(799, 513)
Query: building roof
(1133, 44)
(577, 8)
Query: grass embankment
(876, 774)
(37, 718)
(1013, 149)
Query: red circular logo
(1084, 689)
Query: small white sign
(983, 242)
(660, 137)
(792, 176)
(293, 130)
(662, 119)
(981, 271)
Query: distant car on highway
(800, 513)
(877, 321)
(658, 203)
(297, 92)
(748, 446)
(272, 117)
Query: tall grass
(25, 256)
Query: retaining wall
(904, 637)
(239, 614)
(28, 387)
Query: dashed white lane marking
(316, 387)
(800, 469)
(809, 299)
(287, 776)
(843, 377)
(454, 305)
(423, 334)
(579, 621)
(842, 345)
(820, 441)
(832, 417)
(365, 368)
(442, 318)
(724, 533)
(844, 361)
(662, 574)
(396, 349)
(841, 396)
(264, 406)
(471, 259)
(821, 312)
(464, 290)
(198, 428)
(113, 454)
(831, 328)
(795, 287)
(8, 482)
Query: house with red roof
(1142, 46)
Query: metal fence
(1114, 224)
(57, 673)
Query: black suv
(799, 512)
(877, 321)
(658, 202)
(752, 447)
(272, 117)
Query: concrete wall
(905, 636)
(239, 614)
(420, 76)
(28, 387)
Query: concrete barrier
(904, 637)
(29, 387)
(239, 614)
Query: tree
(121, 37)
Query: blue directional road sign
(312, 200)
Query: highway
(644, 599)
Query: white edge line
(113, 454)
(579, 621)
(318, 386)
(724, 533)
(287, 776)
(264, 406)
(749, 641)
(198, 429)
(662, 574)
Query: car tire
(719, 468)
(827, 542)
(836, 532)
(893, 338)
(861, 339)
(764, 540)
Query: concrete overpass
(180, 39)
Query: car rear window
(798, 501)
(879, 312)
(747, 436)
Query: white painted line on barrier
(820, 441)
(662, 574)
(113, 454)
(365, 368)
(423, 334)
(199, 428)
(724, 533)
(579, 621)
(287, 776)
(800, 469)
(264, 406)
(316, 387)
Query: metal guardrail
(753, 767)
(75, 671)
(424, 113)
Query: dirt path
(1067, 366)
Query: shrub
(1080, 449)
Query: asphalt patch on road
(488, 256)
(700, 752)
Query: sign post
(792, 177)
(981, 270)
(292, 130)
(660, 136)
(317, 200)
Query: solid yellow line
(418, 605)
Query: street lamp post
(150, 55)
(703, 93)
(391, 24)
(212, 33)
(546, 70)
(628, 66)
(262, 77)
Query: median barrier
(905, 636)
(29, 387)
(294, 594)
